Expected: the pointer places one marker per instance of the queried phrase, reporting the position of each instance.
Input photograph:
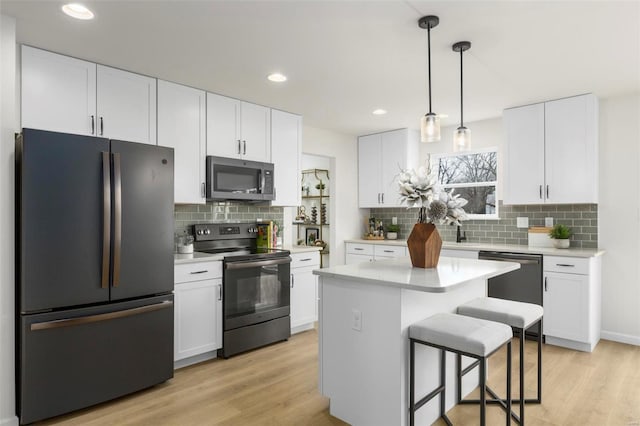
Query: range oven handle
(257, 263)
(521, 259)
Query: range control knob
(207, 231)
(199, 232)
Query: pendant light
(462, 135)
(430, 123)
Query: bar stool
(461, 335)
(518, 315)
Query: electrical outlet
(522, 222)
(356, 320)
(548, 222)
(394, 220)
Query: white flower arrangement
(419, 188)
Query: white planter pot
(561, 244)
(392, 235)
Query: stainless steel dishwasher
(522, 285)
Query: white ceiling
(346, 58)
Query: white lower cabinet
(304, 290)
(370, 252)
(571, 301)
(197, 311)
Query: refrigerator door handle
(106, 218)
(47, 325)
(117, 220)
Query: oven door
(256, 291)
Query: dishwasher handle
(522, 259)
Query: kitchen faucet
(460, 235)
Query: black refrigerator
(94, 285)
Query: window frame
(435, 159)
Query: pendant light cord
(461, 107)
(429, 61)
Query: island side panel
(417, 305)
(365, 372)
(361, 369)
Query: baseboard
(620, 338)
(9, 421)
(193, 360)
(570, 344)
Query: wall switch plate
(394, 220)
(356, 320)
(548, 222)
(522, 222)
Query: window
(474, 176)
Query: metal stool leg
(539, 400)
(509, 385)
(483, 391)
(412, 370)
(443, 379)
(522, 339)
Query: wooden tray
(370, 237)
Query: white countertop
(195, 257)
(512, 248)
(398, 272)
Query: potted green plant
(392, 231)
(560, 234)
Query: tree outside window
(474, 176)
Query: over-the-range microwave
(237, 179)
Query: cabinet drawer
(389, 251)
(357, 248)
(571, 265)
(197, 271)
(301, 260)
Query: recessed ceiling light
(379, 112)
(277, 77)
(78, 11)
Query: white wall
(8, 126)
(619, 216)
(618, 209)
(345, 217)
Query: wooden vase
(424, 244)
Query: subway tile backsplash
(190, 214)
(581, 218)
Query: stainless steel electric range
(256, 286)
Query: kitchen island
(365, 312)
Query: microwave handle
(261, 178)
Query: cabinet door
(566, 306)
(286, 139)
(393, 159)
(126, 106)
(198, 318)
(524, 162)
(223, 126)
(571, 163)
(351, 258)
(303, 297)
(181, 126)
(255, 132)
(58, 93)
(369, 176)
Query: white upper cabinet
(126, 105)
(381, 157)
(552, 152)
(286, 140)
(182, 126)
(238, 129)
(69, 95)
(58, 92)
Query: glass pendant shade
(430, 128)
(461, 139)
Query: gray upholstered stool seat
(518, 315)
(515, 314)
(463, 335)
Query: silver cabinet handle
(239, 146)
(545, 283)
(382, 196)
(244, 147)
(358, 249)
(199, 272)
(292, 280)
(101, 126)
(547, 191)
(93, 125)
(540, 191)
(388, 251)
(566, 265)
(219, 291)
(305, 259)
(202, 189)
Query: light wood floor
(277, 385)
